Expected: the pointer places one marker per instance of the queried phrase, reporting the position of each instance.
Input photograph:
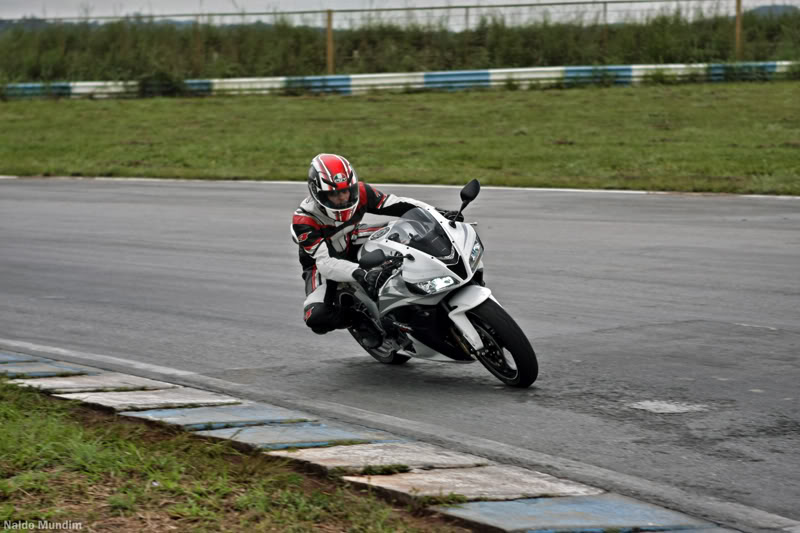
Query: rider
(327, 229)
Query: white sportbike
(431, 302)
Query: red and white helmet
(332, 174)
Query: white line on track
(434, 186)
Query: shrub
(36, 51)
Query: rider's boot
(370, 338)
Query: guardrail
(522, 78)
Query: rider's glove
(368, 279)
(451, 215)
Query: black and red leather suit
(328, 247)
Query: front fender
(468, 297)
(462, 301)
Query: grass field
(64, 463)
(728, 137)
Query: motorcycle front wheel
(508, 355)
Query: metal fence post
(738, 30)
(330, 42)
(466, 18)
(605, 29)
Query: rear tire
(382, 353)
(505, 344)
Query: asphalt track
(688, 301)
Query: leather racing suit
(327, 250)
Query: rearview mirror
(470, 191)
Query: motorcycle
(431, 301)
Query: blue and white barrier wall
(447, 80)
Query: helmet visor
(340, 198)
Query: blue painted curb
(606, 512)
(41, 368)
(16, 358)
(223, 425)
(224, 416)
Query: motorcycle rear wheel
(382, 353)
(509, 355)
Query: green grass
(727, 137)
(63, 462)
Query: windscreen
(419, 230)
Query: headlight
(477, 252)
(435, 285)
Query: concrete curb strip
(157, 399)
(514, 498)
(111, 381)
(495, 482)
(414, 455)
(220, 417)
(301, 435)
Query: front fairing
(437, 248)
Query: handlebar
(396, 261)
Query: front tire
(508, 356)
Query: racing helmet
(328, 176)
